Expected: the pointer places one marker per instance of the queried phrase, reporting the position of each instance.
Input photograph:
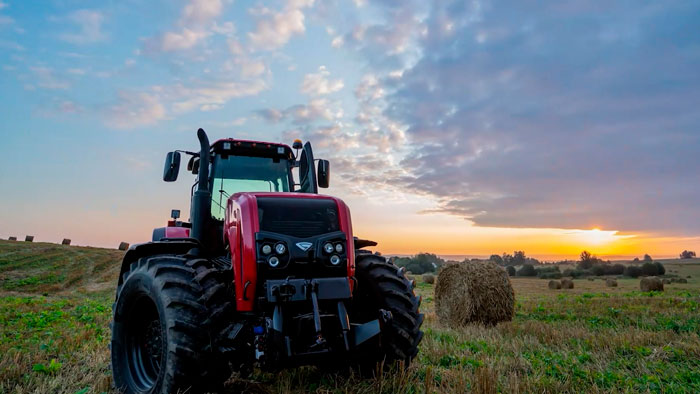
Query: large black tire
(383, 286)
(160, 334)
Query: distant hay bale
(29, 238)
(666, 281)
(567, 284)
(65, 241)
(12, 239)
(651, 283)
(474, 292)
(688, 276)
(591, 279)
(682, 280)
(610, 282)
(428, 278)
(124, 246)
(554, 284)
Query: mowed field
(55, 307)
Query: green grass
(55, 307)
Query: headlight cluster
(273, 260)
(330, 248)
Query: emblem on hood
(304, 245)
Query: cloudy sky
(462, 128)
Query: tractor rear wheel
(382, 286)
(160, 340)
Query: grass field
(55, 306)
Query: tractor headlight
(339, 248)
(273, 261)
(280, 248)
(328, 248)
(335, 260)
(266, 249)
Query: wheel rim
(144, 343)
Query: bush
(653, 269)
(617, 269)
(660, 270)
(511, 270)
(421, 263)
(633, 271)
(496, 259)
(549, 275)
(527, 270)
(598, 270)
(648, 258)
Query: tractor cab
(237, 166)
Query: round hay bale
(651, 283)
(428, 278)
(124, 246)
(474, 292)
(12, 239)
(567, 284)
(29, 238)
(610, 282)
(66, 241)
(554, 284)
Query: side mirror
(172, 166)
(324, 173)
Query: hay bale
(682, 280)
(29, 238)
(651, 283)
(65, 241)
(591, 279)
(554, 284)
(688, 276)
(567, 284)
(610, 282)
(474, 292)
(666, 281)
(12, 239)
(124, 246)
(428, 278)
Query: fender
(170, 232)
(135, 252)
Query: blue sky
(481, 123)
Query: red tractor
(265, 274)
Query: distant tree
(420, 263)
(598, 270)
(527, 270)
(519, 257)
(496, 259)
(687, 254)
(633, 271)
(511, 270)
(636, 260)
(648, 258)
(586, 260)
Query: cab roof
(230, 146)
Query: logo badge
(304, 245)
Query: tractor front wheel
(159, 338)
(383, 287)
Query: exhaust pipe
(202, 196)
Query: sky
(461, 128)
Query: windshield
(234, 174)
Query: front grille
(298, 217)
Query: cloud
(318, 84)
(195, 24)
(3, 5)
(516, 116)
(89, 24)
(135, 110)
(45, 78)
(319, 109)
(274, 29)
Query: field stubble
(55, 306)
